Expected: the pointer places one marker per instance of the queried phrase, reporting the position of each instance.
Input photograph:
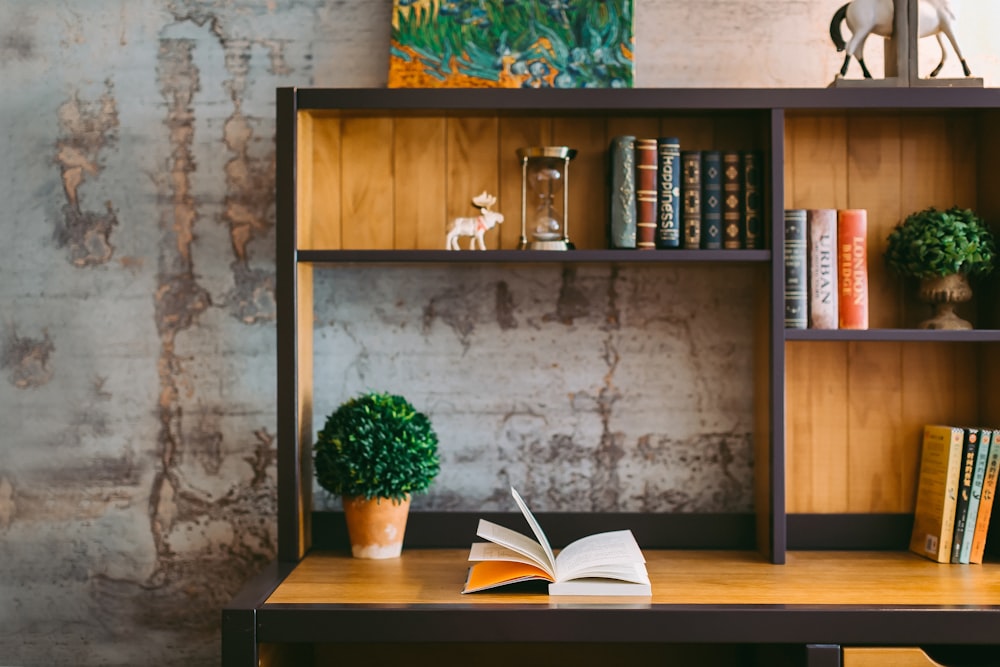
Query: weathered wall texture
(137, 330)
(586, 388)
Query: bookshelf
(837, 414)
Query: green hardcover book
(937, 492)
(622, 154)
(711, 200)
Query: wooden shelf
(811, 578)
(895, 335)
(719, 596)
(644, 99)
(529, 256)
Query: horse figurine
(477, 226)
(865, 17)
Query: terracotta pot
(943, 293)
(376, 526)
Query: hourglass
(545, 172)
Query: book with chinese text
(986, 501)
(601, 564)
(937, 492)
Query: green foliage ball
(932, 243)
(376, 445)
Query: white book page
(516, 541)
(535, 528)
(482, 551)
(613, 551)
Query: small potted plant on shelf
(942, 249)
(374, 451)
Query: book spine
(732, 201)
(852, 262)
(821, 267)
(623, 229)
(964, 491)
(937, 487)
(986, 501)
(752, 163)
(795, 268)
(645, 193)
(691, 197)
(975, 494)
(668, 223)
(711, 200)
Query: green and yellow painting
(511, 44)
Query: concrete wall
(137, 331)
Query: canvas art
(511, 44)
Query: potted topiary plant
(374, 451)
(942, 249)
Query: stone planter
(944, 292)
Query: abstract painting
(511, 44)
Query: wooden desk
(707, 598)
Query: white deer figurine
(475, 226)
(865, 17)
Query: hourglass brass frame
(564, 153)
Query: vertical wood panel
(816, 380)
(516, 132)
(873, 154)
(695, 132)
(735, 132)
(966, 379)
(304, 180)
(875, 440)
(928, 398)
(588, 193)
(988, 396)
(926, 171)
(324, 203)
(304, 380)
(792, 133)
(819, 154)
(638, 126)
(816, 437)
(964, 139)
(473, 166)
(368, 181)
(419, 202)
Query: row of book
(826, 268)
(664, 197)
(955, 491)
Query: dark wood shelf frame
(249, 623)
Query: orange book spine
(982, 526)
(852, 262)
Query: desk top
(435, 577)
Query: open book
(602, 564)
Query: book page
(616, 551)
(487, 551)
(535, 528)
(514, 540)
